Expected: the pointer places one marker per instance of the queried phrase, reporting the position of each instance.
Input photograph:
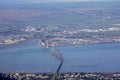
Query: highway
(58, 56)
(55, 52)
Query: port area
(60, 76)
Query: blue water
(31, 57)
(91, 58)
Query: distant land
(65, 24)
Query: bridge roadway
(58, 56)
(55, 52)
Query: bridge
(46, 43)
(58, 56)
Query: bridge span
(58, 56)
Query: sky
(39, 1)
(15, 2)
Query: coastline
(61, 76)
(35, 41)
(32, 41)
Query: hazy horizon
(44, 1)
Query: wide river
(32, 57)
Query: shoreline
(60, 76)
(18, 44)
(58, 45)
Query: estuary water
(32, 57)
(91, 58)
